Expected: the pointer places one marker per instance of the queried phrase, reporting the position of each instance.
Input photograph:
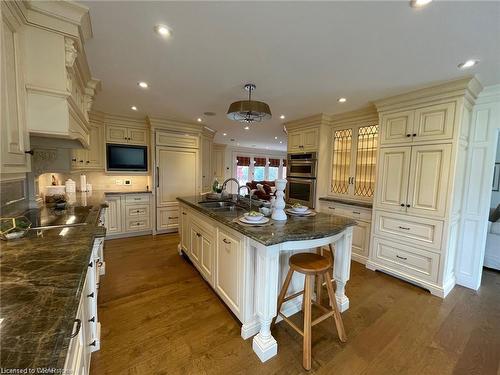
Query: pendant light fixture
(249, 111)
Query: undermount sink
(221, 204)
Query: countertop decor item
(249, 111)
(13, 227)
(279, 205)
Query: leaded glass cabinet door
(366, 156)
(342, 168)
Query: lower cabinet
(361, 232)
(229, 261)
(128, 215)
(167, 218)
(217, 253)
(85, 338)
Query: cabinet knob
(402, 204)
(74, 159)
(81, 161)
(408, 135)
(92, 320)
(93, 343)
(407, 205)
(87, 162)
(414, 134)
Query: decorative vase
(279, 205)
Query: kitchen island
(247, 265)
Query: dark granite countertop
(347, 201)
(41, 280)
(294, 229)
(128, 192)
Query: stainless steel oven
(302, 165)
(301, 190)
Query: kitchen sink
(221, 204)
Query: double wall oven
(301, 176)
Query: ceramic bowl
(254, 218)
(300, 209)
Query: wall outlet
(127, 182)
(119, 182)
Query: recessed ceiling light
(342, 100)
(224, 134)
(419, 3)
(133, 108)
(282, 117)
(281, 142)
(199, 119)
(143, 84)
(275, 137)
(163, 30)
(246, 127)
(468, 64)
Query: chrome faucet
(249, 195)
(224, 184)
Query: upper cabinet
(303, 140)
(354, 144)
(429, 123)
(219, 162)
(126, 135)
(93, 157)
(207, 141)
(14, 135)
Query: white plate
(303, 213)
(300, 210)
(262, 221)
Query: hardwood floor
(159, 317)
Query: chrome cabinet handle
(397, 256)
(78, 326)
(404, 228)
(173, 217)
(226, 241)
(331, 208)
(356, 212)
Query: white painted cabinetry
(303, 139)
(14, 133)
(219, 162)
(128, 215)
(126, 135)
(207, 176)
(93, 157)
(423, 142)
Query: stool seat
(309, 263)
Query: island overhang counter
(246, 265)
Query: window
(274, 166)
(259, 169)
(242, 169)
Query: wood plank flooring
(159, 317)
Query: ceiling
(302, 56)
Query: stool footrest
(292, 324)
(292, 296)
(322, 317)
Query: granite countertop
(128, 192)
(41, 280)
(347, 201)
(294, 229)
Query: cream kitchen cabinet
(185, 231)
(14, 134)
(206, 163)
(93, 157)
(354, 156)
(414, 179)
(361, 232)
(126, 135)
(218, 162)
(229, 267)
(429, 123)
(176, 175)
(128, 215)
(202, 250)
(303, 140)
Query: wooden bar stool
(311, 265)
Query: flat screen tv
(126, 158)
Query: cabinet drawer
(353, 212)
(408, 260)
(136, 210)
(137, 224)
(136, 198)
(167, 218)
(420, 231)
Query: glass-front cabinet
(354, 154)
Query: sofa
(262, 189)
(492, 250)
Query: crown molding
(366, 114)
(468, 87)
(178, 126)
(119, 120)
(318, 119)
(490, 94)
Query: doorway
(492, 248)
